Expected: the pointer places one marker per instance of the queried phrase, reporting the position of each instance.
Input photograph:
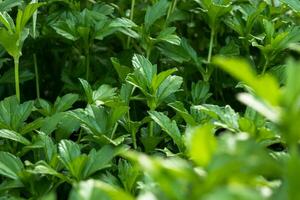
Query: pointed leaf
(12, 135)
(169, 126)
(10, 165)
(155, 12)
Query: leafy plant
(132, 129)
(16, 32)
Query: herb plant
(153, 99)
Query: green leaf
(6, 39)
(104, 94)
(169, 86)
(122, 70)
(50, 149)
(180, 109)
(264, 86)
(51, 122)
(129, 182)
(92, 117)
(146, 69)
(169, 126)
(224, 115)
(125, 26)
(8, 4)
(87, 89)
(7, 21)
(66, 29)
(200, 92)
(92, 190)
(24, 75)
(68, 153)
(36, 124)
(101, 159)
(64, 103)
(155, 12)
(10, 165)
(116, 113)
(261, 107)
(23, 16)
(201, 144)
(21, 113)
(13, 114)
(167, 35)
(42, 167)
(12, 135)
(293, 4)
(161, 77)
(215, 9)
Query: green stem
(265, 66)
(17, 81)
(131, 18)
(87, 65)
(151, 126)
(171, 8)
(37, 86)
(148, 52)
(114, 131)
(209, 70)
(133, 135)
(211, 44)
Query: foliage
(156, 99)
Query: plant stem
(211, 44)
(133, 135)
(87, 65)
(114, 131)
(265, 66)
(17, 81)
(151, 125)
(37, 86)
(171, 8)
(131, 18)
(148, 51)
(208, 70)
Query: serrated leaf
(122, 70)
(10, 165)
(87, 89)
(68, 152)
(64, 103)
(12, 135)
(66, 29)
(104, 94)
(23, 16)
(180, 109)
(155, 12)
(169, 86)
(293, 4)
(144, 66)
(101, 159)
(168, 35)
(8, 4)
(169, 126)
(161, 77)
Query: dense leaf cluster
(123, 100)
